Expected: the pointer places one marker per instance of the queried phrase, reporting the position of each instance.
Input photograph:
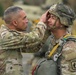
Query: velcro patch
(73, 65)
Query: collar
(58, 40)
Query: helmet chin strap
(54, 26)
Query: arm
(13, 39)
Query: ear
(14, 22)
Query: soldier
(13, 39)
(63, 53)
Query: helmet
(64, 13)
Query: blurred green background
(33, 8)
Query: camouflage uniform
(12, 43)
(67, 64)
(67, 59)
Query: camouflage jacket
(68, 54)
(11, 39)
(12, 42)
(68, 61)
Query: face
(53, 21)
(22, 21)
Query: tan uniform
(12, 43)
(68, 62)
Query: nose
(49, 19)
(26, 20)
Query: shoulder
(69, 50)
(6, 33)
(3, 31)
(69, 42)
(69, 46)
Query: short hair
(10, 12)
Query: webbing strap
(53, 50)
(56, 46)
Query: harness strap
(56, 46)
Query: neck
(11, 27)
(59, 33)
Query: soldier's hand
(44, 17)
